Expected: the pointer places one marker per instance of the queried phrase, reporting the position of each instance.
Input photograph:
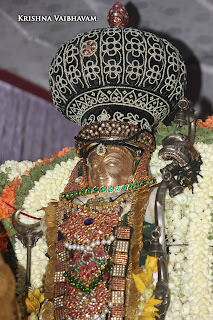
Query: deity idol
(116, 83)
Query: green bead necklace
(95, 190)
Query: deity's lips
(104, 181)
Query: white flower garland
(17, 169)
(46, 189)
(188, 222)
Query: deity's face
(113, 168)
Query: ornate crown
(117, 74)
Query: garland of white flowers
(17, 168)
(46, 189)
(188, 224)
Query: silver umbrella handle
(28, 234)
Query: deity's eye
(111, 163)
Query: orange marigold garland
(59, 154)
(206, 124)
(8, 197)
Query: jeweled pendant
(101, 150)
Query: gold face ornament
(113, 168)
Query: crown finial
(118, 16)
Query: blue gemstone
(88, 221)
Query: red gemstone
(87, 257)
(100, 253)
(118, 16)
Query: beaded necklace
(96, 190)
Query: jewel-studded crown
(117, 74)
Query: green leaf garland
(4, 180)
(202, 134)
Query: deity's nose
(100, 169)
